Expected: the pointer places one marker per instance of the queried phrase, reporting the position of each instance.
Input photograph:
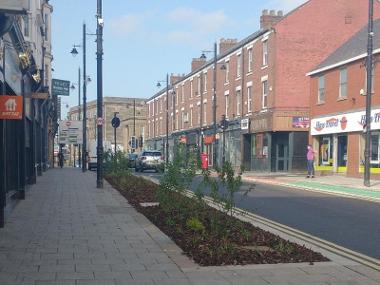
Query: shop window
(259, 146)
(253, 146)
(374, 150)
(326, 151)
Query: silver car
(150, 159)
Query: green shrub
(195, 225)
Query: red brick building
(262, 89)
(338, 95)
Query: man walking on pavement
(310, 161)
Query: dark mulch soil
(240, 243)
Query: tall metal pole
(79, 116)
(84, 143)
(369, 66)
(99, 59)
(114, 135)
(3, 185)
(214, 106)
(134, 117)
(167, 120)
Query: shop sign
(10, 107)
(182, 139)
(343, 123)
(244, 124)
(60, 87)
(208, 139)
(301, 122)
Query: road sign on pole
(60, 87)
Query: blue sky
(143, 40)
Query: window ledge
(264, 66)
(226, 83)
(238, 78)
(320, 103)
(341, 99)
(249, 73)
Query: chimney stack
(226, 44)
(267, 20)
(174, 78)
(197, 63)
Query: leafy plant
(117, 163)
(284, 247)
(178, 177)
(195, 225)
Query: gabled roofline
(332, 66)
(239, 45)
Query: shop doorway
(282, 157)
(342, 153)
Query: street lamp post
(214, 101)
(224, 126)
(369, 67)
(86, 79)
(79, 112)
(99, 60)
(167, 117)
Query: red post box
(204, 159)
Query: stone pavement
(333, 184)
(69, 232)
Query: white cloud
(129, 24)
(193, 25)
(286, 5)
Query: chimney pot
(265, 12)
(280, 13)
(272, 12)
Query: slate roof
(355, 46)
(219, 56)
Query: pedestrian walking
(310, 161)
(60, 159)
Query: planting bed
(208, 236)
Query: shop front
(339, 142)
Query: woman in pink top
(310, 161)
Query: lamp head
(158, 84)
(72, 87)
(223, 67)
(74, 51)
(203, 56)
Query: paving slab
(69, 232)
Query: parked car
(150, 159)
(132, 157)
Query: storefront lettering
(374, 119)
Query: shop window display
(325, 151)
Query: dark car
(150, 159)
(132, 157)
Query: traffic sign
(115, 122)
(99, 121)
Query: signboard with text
(60, 87)
(10, 107)
(343, 123)
(70, 132)
(301, 122)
